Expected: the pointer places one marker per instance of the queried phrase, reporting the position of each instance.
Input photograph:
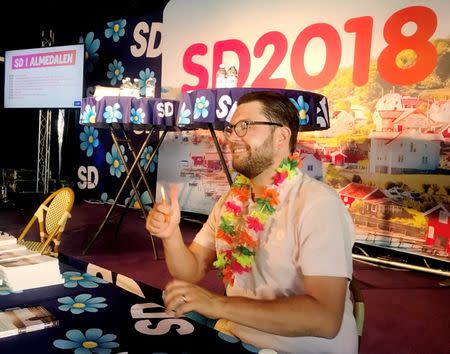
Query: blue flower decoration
(137, 116)
(104, 198)
(93, 341)
(144, 76)
(184, 114)
(145, 158)
(145, 200)
(116, 29)
(200, 107)
(4, 290)
(302, 108)
(115, 161)
(112, 113)
(115, 72)
(91, 46)
(88, 115)
(81, 303)
(89, 140)
(73, 279)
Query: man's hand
(181, 297)
(163, 219)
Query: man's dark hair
(278, 109)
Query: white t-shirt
(311, 233)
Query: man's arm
(189, 264)
(317, 313)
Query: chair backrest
(61, 202)
(358, 307)
(52, 216)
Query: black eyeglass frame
(228, 129)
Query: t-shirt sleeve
(206, 236)
(325, 237)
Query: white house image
(312, 166)
(390, 107)
(404, 152)
(440, 112)
(404, 141)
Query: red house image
(438, 228)
(338, 158)
(446, 132)
(213, 161)
(198, 160)
(353, 191)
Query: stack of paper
(30, 272)
(21, 268)
(7, 239)
(11, 247)
(24, 320)
(13, 254)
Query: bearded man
(281, 240)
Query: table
(138, 324)
(119, 114)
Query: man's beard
(259, 160)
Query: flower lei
(239, 229)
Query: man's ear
(283, 136)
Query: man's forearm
(291, 316)
(181, 262)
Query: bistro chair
(51, 216)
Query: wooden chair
(52, 216)
(358, 308)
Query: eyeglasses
(241, 127)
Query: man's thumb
(173, 193)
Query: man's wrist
(173, 239)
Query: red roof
(377, 194)
(410, 100)
(361, 191)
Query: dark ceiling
(23, 23)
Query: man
(281, 240)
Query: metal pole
(402, 265)
(45, 128)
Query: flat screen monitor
(47, 77)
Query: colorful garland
(239, 227)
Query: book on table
(27, 319)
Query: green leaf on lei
(243, 260)
(244, 250)
(260, 215)
(228, 217)
(221, 261)
(240, 181)
(290, 171)
(227, 227)
(264, 206)
(292, 174)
